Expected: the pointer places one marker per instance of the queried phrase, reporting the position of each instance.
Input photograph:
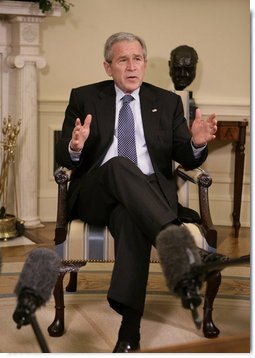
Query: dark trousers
(131, 204)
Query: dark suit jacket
(165, 129)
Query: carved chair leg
(57, 327)
(72, 284)
(213, 284)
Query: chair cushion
(95, 243)
(198, 236)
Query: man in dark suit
(135, 198)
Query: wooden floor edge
(232, 344)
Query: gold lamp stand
(10, 226)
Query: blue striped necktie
(126, 130)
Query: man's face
(128, 65)
(182, 70)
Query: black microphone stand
(188, 287)
(24, 314)
(38, 333)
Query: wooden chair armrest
(202, 178)
(62, 177)
(194, 176)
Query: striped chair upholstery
(95, 243)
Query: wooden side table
(235, 131)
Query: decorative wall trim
(53, 106)
(220, 178)
(221, 108)
(225, 109)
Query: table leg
(238, 181)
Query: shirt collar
(120, 93)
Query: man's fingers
(213, 115)
(88, 120)
(78, 122)
(212, 121)
(198, 114)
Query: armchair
(79, 243)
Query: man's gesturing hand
(203, 131)
(80, 133)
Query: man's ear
(108, 69)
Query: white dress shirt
(143, 158)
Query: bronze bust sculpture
(182, 70)
(182, 66)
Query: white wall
(219, 30)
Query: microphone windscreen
(177, 253)
(39, 273)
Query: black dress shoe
(124, 347)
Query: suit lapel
(150, 113)
(106, 114)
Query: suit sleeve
(72, 112)
(182, 149)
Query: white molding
(227, 108)
(227, 101)
(219, 178)
(53, 106)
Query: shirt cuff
(75, 156)
(197, 151)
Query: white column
(25, 58)
(20, 60)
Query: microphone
(177, 253)
(36, 282)
(186, 267)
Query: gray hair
(122, 36)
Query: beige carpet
(91, 326)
